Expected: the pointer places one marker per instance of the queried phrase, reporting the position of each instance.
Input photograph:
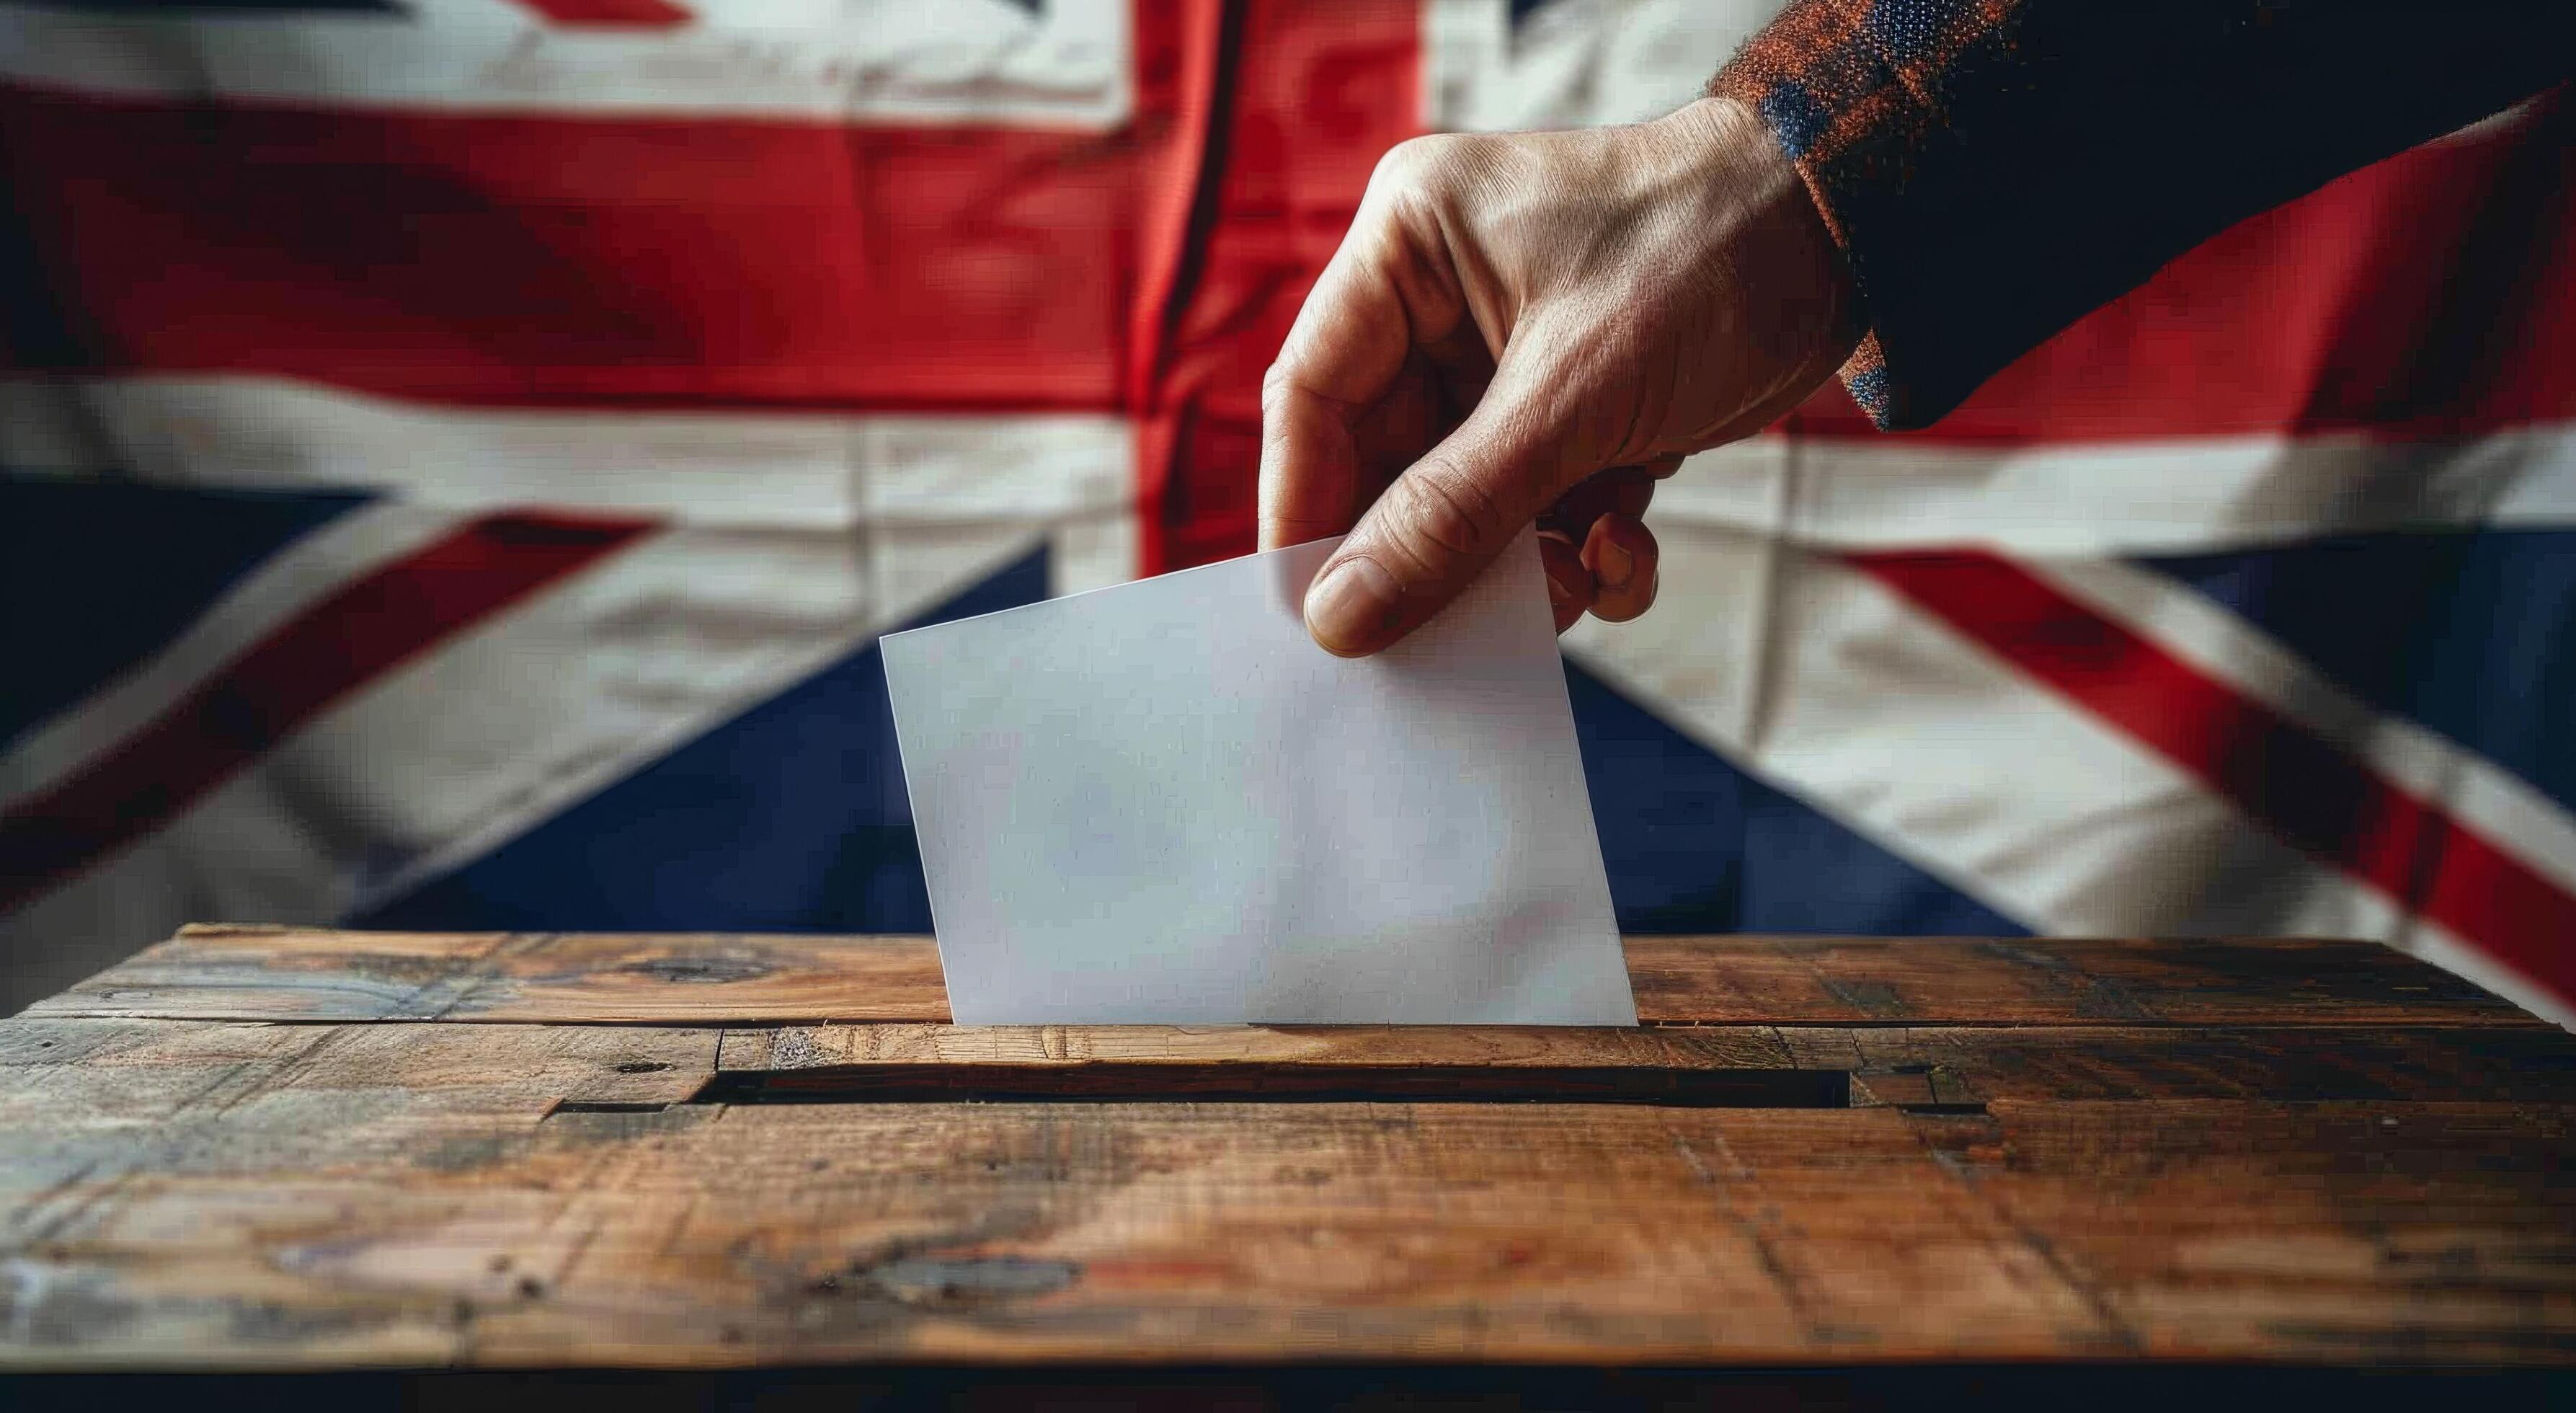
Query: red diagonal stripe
(2311, 792)
(332, 649)
(656, 14)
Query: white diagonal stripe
(1064, 64)
(499, 728)
(2510, 813)
(788, 541)
(2184, 495)
(819, 470)
(929, 498)
(1821, 680)
(273, 592)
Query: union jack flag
(457, 455)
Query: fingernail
(1617, 565)
(1350, 608)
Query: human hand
(1539, 326)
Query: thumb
(1435, 529)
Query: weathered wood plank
(1951, 1064)
(2030, 1151)
(73, 1070)
(278, 973)
(1011, 1232)
(172, 1072)
(1196, 1046)
(1928, 981)
(2272, 1063)
(1217, 1232)
(236, 973)
(2313, 1223)
(212, 972)
(1738, 1066)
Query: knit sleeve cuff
(1851, 90)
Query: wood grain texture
(1927, 1064)
(1223, 1046)
(266, 973)
(297, 974)
(2379, 1176)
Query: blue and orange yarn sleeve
(1996, 169)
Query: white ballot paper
(1161, 802)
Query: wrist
(1806, 303)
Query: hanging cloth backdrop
(456, 456)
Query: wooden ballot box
(307, 1158)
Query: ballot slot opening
(1122, 1083)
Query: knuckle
(1420, 162)
(1404, 160)
(1278, 385)
(1447, 516)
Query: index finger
(1341, 356)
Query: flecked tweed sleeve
(1996, 169)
